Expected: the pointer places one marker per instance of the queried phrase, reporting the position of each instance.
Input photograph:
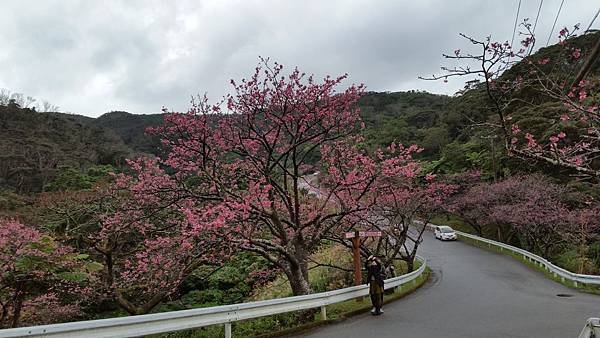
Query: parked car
(445, 233)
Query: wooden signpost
(355, 237)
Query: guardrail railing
(591, 329)
(141, 325)
(575, 278)
(564, 274)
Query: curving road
(475, 293)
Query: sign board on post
(355, 237)
(369, 233)
(348, 235)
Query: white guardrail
(575, 278)
(557, 271)
(591, 329)
(141, 325)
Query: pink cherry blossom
(544, 61)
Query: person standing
(375, 280)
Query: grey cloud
(92, 57)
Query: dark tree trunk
(143, 309)
(3, 316)
(298, 276)
(410, 264)
(18, 305)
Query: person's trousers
(377, 301)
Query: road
(475, 293)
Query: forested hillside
(531, 105)
(451, 130)
(132, 129)
(35, 147)
(40, 145)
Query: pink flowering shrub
(531, 211)
(160, 231)
(41, 281)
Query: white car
(445, 233)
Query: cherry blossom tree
(536, 209)
(473, 201)
(254, 157)
(41, 281)
(510, 76)
(469, 200)
(161, 229)
(403, 194)
(543, 215)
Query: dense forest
(36, 147)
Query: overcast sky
(90, 57)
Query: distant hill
(35, 146)
(405, 117)
(132, 129)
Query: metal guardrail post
(591, 329)
(323, 312)
(227, 330)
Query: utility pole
(587, 66)
(493, 149)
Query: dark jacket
(375, 274)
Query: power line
(594, 19)
(555, 20)
(538, 15)
(535, 25)
(515, 28)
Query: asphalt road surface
(475, 293)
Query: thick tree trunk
(143, 309)
(298, 277)
(4, 315)
(18, 305)
(123, 302)
(476, 227)
(410, 265)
